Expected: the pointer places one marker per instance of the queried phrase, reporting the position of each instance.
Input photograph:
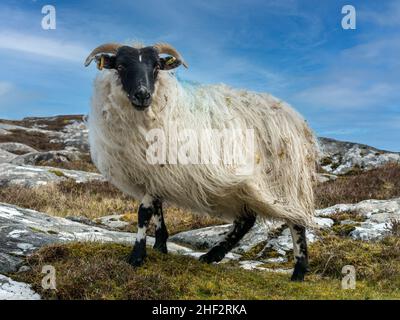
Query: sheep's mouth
(140, 107)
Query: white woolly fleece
(280, 186)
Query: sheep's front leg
(240, 227)
(299, 251)
(146, 210)
(161, 230)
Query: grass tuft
(377, 262)
(381, 183)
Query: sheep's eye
(120, 67)
(156, 70)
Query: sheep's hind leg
(146, 210)
(299, 251)
(161, 230)
(240, 227)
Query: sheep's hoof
(138, 254)
(162, 247)
(216, 254)
(300, 269)
(135, 261)
(297, 277)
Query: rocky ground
(44, 162)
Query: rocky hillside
(51, 194)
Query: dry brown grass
(36, 140)
(93, 200)
(374, 261)
(382, 183)
(84, 164)
(394, 227)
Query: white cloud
(5, 87)
(42, 46)
(347, 95)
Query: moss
(344, 230)
(37, 230)
(58, 173)
(100, 271)
(347, 215)
(254, 252)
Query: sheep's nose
(142, 95)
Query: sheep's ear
(105, 61)
(169, 63)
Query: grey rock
(10, 127)
(251, 265)
(74, 136)
(340, 157)
(13, 290)
(31, 176)
(255, 265)
(378, 216)
(6, 157)
(366, 208)
(205, 238)
(201, 239)
(82, 219)
(112, 221)
(276, 260)
(23, 231)
(34, 158)
(370, 231)
(284, 243)
(24, 269)
(326, 177)
(15, 147)
(323, 223)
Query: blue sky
(345, 82)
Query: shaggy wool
(282, 157)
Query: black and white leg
(161, 230)
(241, 226)
(146, 210)
(299, 251)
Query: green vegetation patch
(100, 271)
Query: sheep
(136, 95)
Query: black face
(138, 69)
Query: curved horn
(104, 48)
(168, 49)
